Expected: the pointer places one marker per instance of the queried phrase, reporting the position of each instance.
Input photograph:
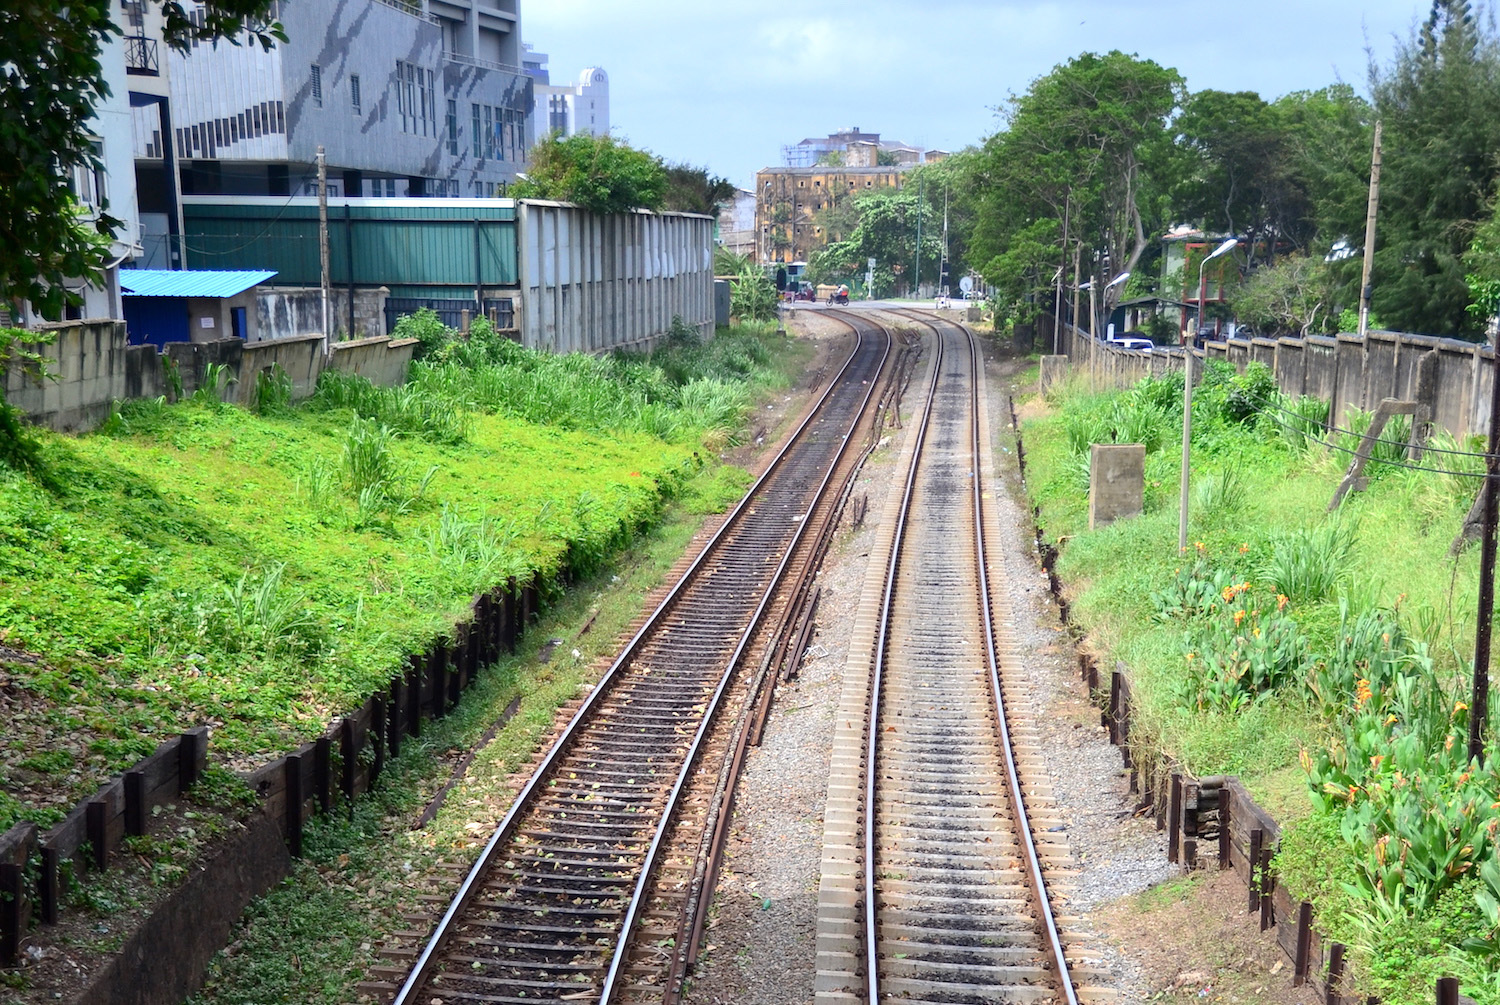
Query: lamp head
(1117, 280)
(1224, 248)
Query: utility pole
(1479, 700)
(1077, 261)
(1364, 285)
(323, 245)
(1061, 268)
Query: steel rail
(872, 947)
(669, 811)
(1035, 876)
(695, 919)
(422, 969)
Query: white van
(1133, 343)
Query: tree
(887, 232)
(1085, 146)
(1239, 173)
(1293, 297)
(598, 173)
(1440, 103)
(693, 190)
(50, 84)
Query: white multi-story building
(108, 188)
(567, 109)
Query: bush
(1307, 565)
(427, 328)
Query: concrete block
(1117, 482)
(1054, 370)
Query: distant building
(567, 109)
(737, 223)
(426, 98)
(797, 203)
(834, 148)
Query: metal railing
(142, 56)
(413, 9)
(483, 64)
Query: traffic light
(780, 279)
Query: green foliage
(216, 380)
(692, 189)
(1308, 565)
(599, 173)
(1293, 297)
(19, 449)
(427, 328)
(1440, 104)
(53, 84)
(273, 391)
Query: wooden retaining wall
(342, 763)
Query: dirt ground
(1192, 937)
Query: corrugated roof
(189, 282)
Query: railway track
(579, 866)
(935, 887)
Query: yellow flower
(1361, 693)
(1191, 657)
(1244, 548)
(1238, 617)
(1459, 706)
(1281, 601)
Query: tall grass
(1308, 565)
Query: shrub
(427, 328)
(273, 391)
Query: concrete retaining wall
(88, 360)
(382, 361)
(1343, 370)
(591, 283)
(94, 368)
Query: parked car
(1133, 343)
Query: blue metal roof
(189, 282)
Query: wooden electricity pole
(1479, 700)
(1364, 285)
(323, 245)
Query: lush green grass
(263, 572)
(1377, 624)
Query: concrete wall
(382, 361)
(301, 356)
(1342, 370)
(592, 283)
(88, 360)
(285, 311)
(209, 317)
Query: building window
(477, 131)
(88, 182)
(354, 92)
(453, 129)
(429, 106)
(489, 131)
(317, 86)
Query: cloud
(728, 85)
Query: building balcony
(142, 56)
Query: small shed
(187, 305)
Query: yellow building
(795, 206)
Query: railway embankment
(317, 580)
(1291, 693)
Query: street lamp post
(1187, 396)
(1093, 349)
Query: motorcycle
(838, 298)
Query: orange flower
(1238, 617)
(1228, 594)
(1459, 706)
(1361, 693)
(1244, 548)
(1281, 600)
(1306, 761)
(1391, 719)
(1202, 548)
(1375, 761)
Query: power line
(1349, 432)
(1373, 460)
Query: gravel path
(1118, 854)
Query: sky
(727, 84)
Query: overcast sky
(728, 84)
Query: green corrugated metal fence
(398, 243)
